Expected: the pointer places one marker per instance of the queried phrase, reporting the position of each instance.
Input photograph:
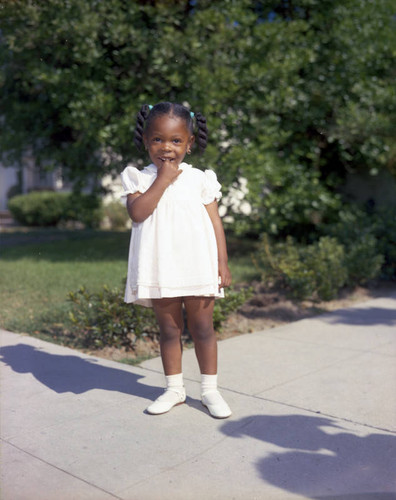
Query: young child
(178, 256)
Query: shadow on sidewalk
(319, 459)
(369, 316)
(72, 373)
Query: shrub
(232, 301)
(273, 191)
(362, 236)
(85, 208)
(363, 261)
(116, 214)
(281, 263)
(104, 319)
(49, 208)
(39, 208)
(312, 271)
(327, 260)
(385, 233)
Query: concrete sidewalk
(314, 417)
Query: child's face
(168, 138)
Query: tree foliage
(297, 93)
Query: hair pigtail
(139, 129)
(202, 133)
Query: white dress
(173, 253)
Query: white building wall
(8, 179)
(114, 186)
(34, 179)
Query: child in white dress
(178, 254)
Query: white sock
(175, 382)
(208, 383)
(173, 395)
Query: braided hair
(148, 113)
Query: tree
(313, 100)
(296, 93)
(74, 74)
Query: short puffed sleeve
(211, 188)
(132, 181)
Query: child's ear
(192, 140)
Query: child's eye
(176, 140)
(156, 139)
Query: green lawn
(35, 277)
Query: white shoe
(216, 405)
(166, 402)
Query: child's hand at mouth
(169, 171)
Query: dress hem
(146, 301)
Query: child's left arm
(224, 271)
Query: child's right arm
(142, 205)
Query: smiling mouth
(164, 158)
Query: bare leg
(200, 323)
(170, 319)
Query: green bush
(104, 319)
(39, 208)
(49, 208)
(84, 208)
(116, 214)
(281, 264)
(363, 260)
(327, 259)
(366, 238)
(232, 301)
(312, 271)
(385, 233)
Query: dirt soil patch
(268, 308)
